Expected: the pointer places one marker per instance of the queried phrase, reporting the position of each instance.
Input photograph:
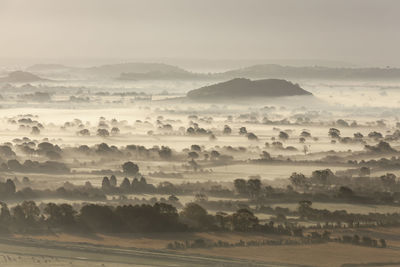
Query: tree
(113, 181)
(214, 155)
(242, 131)
(197, 216)
(334, 133)
(190, 131)
(193, 155)
(227, 130)
(115, 131)
(358, 135)
(35, 130)
(173, 198)
(195, 148)
(130, 168)
(125, 185)
(254, 187)
(26, 214)
(346, 192)
(383, 243)
(10, 187)
(304, 208)
(283, 136)
(60, 215)
(364, 171)
(165, 152)
(252, 136)
(375, 135)
(103, 132)
(298, 180)
(322, 176)
(212, 137)
(5, 216)
(105, 184)
(265, 156)
(342, 123)
(388, 180)
(83, 132)
(305, 134)
(244, 220)
(240, 186)
(200, 197)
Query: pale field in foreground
(148, 240)
(324, 255)
(13, 260)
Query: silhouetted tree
(105, 184)
(125, 185)
(283, 136)
(130, 168)
(244, 220)
(227, 130)
(334, 133)
(241, 186)
(113, 181)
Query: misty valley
(157, 164)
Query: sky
(356, 31)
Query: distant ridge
(245, 88)
(21, 76)
(115, 70)
(161, 71)
(315, 72)
(48, 67)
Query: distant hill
(245, 88)
(49, 68)
(21, 76)
(160, 71)
(123, 71)
(163, 75)
(116, 70)
(290, 72)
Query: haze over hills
(49, 68)
(314, 72)
(122, 71)
(245, 88)
(161, 71)
(114, 70)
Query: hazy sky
(360, 31)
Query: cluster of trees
(138, 185)
(306, 211)
(202, 243)
(8, 191)
(44, 149)
(250, 188)
(361, 189)
(358, 137)
(311, 238)
(364, 241)
(27, 217)
(160, 217)
(30, 166)
(382, 163)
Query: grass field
(325, 255)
